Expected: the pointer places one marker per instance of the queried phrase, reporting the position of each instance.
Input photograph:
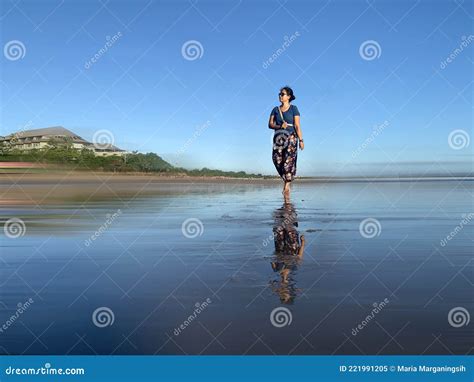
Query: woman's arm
(301, 248)
(299, 133)
(272, 124)
(297, 127)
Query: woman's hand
(301, 145)
(284, 125)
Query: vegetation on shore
(63, 155)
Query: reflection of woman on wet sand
(289, 248)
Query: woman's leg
(277, 157)
(289, 163)
(279, 153)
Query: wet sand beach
(56, 187)
(113, 264)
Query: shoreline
(111, 176)
(161, 177)
(59, 188)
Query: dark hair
(289, 91)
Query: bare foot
(286, 189)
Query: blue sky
(212, 109)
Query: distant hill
(64, 155)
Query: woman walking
(285, 120)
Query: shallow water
(152, 273)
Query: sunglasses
(282, 94)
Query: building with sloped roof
(42, 139)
